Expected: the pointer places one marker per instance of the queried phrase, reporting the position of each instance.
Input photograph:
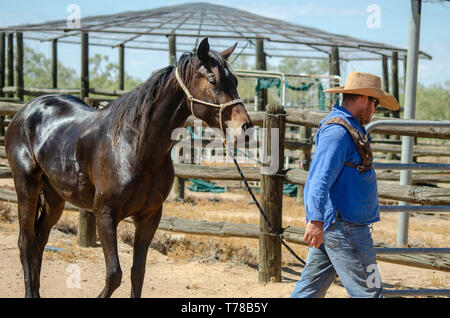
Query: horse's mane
(131, 112)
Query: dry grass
(8, 217)
(235, 206)
(6, 213)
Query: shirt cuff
(316, 217)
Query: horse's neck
(169, 114)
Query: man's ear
(226, 53)
(203, 50)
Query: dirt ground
(71, 271)
(167, 277)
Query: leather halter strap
(191, 101)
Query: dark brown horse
(115, 161)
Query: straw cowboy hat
(366, 84)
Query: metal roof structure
(190, 22)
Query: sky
(346, 17)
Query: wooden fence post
(395, 113)
(2, 76)
(19, 65)
(87, 235)
(272, 201)
(395, 92)
(305, 158)
(335, 69)
(2, 62)
(10, 57)
(172, 49)
(121, 66)
(261, 65)
(84, 65)
(385, 72)
(55, 63)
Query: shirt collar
(349, 115)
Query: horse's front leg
(107, 231)
(145, 230)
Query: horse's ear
(226, 53)
(203, 50)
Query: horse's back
(51, 107)
(47, 113)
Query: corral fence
(421, 198)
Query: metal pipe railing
(282, 77)
(411, 166)
(266, 74)
(415, 208)
(411, 250)
(416, 292)
(407, 123)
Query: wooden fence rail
(300, 118)
(289, 234)
(386, 190)
(271, 198)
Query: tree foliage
(299, 66)
(105, 74)
(433, 101)
(102, 72)
(37, 71)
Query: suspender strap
(361, 141)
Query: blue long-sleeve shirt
(333, 186)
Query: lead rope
(266, 219)
(221, 107)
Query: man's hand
(314, 233)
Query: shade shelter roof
(190, 22)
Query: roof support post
(2, 62)
(172, 50)
(385, 74)
(10, 58)
(19, 65)
(385, 70)
(121, 67)
(55, 63)
(261, 98)
(84, 65)
(334, 70)
(394, 71)
(334, 61)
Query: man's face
(366, 110)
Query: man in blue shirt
(340, 195)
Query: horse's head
(211, 90)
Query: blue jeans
(347, 251)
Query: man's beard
(365, 114)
